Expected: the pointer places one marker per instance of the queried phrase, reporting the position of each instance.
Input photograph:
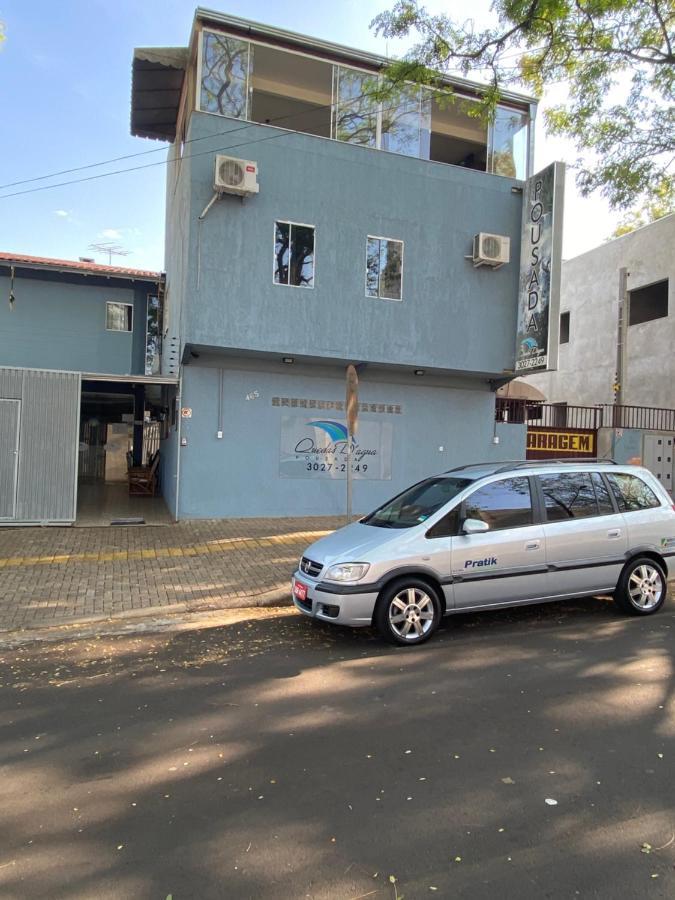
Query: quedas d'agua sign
(540, 259)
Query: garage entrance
(121, 423)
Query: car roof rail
(477, 465)
(505, 465)
(533, 463)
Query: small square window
(649, 302)
(564, 328)
(294, 254)
(384, 268)
(119, 316)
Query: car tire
(642, 587)
(408, 612)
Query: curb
(274, 597)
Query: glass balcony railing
(260, 83)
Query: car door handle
(614, 533)
(533, 545)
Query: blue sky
(65, 80)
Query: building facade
(590, 328)
(617, 332)
(79, 380)
(355, 248)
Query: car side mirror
(474, 526)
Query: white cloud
(62, 213)
(111, 234)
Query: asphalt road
(524, 754)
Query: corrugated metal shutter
(9, 442)
(48, 442)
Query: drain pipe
(221, 379)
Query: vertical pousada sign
(540, 261)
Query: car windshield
(415, 505)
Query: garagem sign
(540, 258)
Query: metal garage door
(9, 456)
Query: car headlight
(347, 572)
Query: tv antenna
(111, 248)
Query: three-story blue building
(310, 225)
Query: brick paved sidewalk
(58, 575)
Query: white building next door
(657, 456)
(9, 456)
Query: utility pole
(621, 341)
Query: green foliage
(616, 57)
(661, 203)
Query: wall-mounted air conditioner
(235, 176)
(491, 250)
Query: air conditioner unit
(491, 250)
(236, 176)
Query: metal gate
(9, 456)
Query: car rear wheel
(408, 612)
(642, 587)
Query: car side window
(605, 506)
(502, 504)
(568, 495)
(632, 493)
(445, 527)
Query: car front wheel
(408, 612)
(642, 587)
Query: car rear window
(631, 492)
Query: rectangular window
(294, 254)
(225, 75)
(508, 143)
(119, 316)
(356, 111)
(564, 328)
(384, 268)
(406, 122)
(501, 504)
(569, 495)
(457, 137)
(647, 303)
(153, 335)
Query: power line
(177, 159)
(327, 106)
(105, 162)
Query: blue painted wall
(61, 325)
(452, 316)
(239, 475)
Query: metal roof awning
(156, 85)
(520, 390)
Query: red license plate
(300, 591)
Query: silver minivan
(491, 535)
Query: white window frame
(378, 237)
(306, 287)
(119, 330)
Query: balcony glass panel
(291, 91)
(508, 151)
(456, 137)
(356, 111)
(224, 75)
(406, 122)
